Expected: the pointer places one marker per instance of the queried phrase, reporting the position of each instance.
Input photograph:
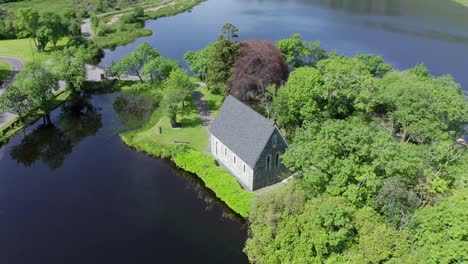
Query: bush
(104, 30)
(217, 179)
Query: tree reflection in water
(52, 143)
(134, 110)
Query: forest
(377, 154)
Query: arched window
(277, 159)
(225, 152)
(274, 141)
(244, 168)
(268, 162)
(217, 148)
(234, 158)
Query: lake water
(404, 32)
(74, 193)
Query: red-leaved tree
(258, 65)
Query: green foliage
(159, 68)
(133, 63)
(298, 53)
(349, 158)
(335, 89)
(229, 31)
(69, 65)
(177, 90)
(424, 109)
(198, 61)
(217, 179)
(222, 56)
(376, 65)
(15, 100)
(39, 83)
(440, 232)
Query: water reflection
(51, 143)
(134, 110)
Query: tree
(15, 100)
(424, 109)
(258, 65)
(27, 24)
(337, 88)
(159, 68)
(314, 52)
(230, 31)
(293, 49)
(198, 61)
(133, 63)
(56, 28)
(221, 59)
(349, 158)
(177, 90)
(69, 65)
(439, 232)
(376, 65)
(39, 84)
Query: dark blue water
(74, 193)
(404, 32)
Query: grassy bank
(14, 126)
(113, 31)
(185, 146)
(6, 70)
(25, 50)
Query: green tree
(424, 109)
(178, 87)
(27, 24)
(198, 61)
(55, 25)
(159, 68)
(15, 100)
(376, 65)
(69, 65)
(229, 31)
(314, 53)
(39, 84)
(293, 49)
(349, 158)
(133, 63)
(221, 59)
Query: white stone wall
(226, 157)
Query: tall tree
(27, 24)
(15, 100)
(56, 28)
(39, 84)
(198, 61)
(69, 65)
(159, 68)
(133, 63)
(230, 32)
(258, 65)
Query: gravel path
(205, 114)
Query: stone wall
(236, 166)
(268, 172)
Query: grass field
(23, 49)
(5, 70)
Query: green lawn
(5, 70)
(214, 101)
(191, 131)
(463, 2)
(58, 6)
(23, 49)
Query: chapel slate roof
(242, 130)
